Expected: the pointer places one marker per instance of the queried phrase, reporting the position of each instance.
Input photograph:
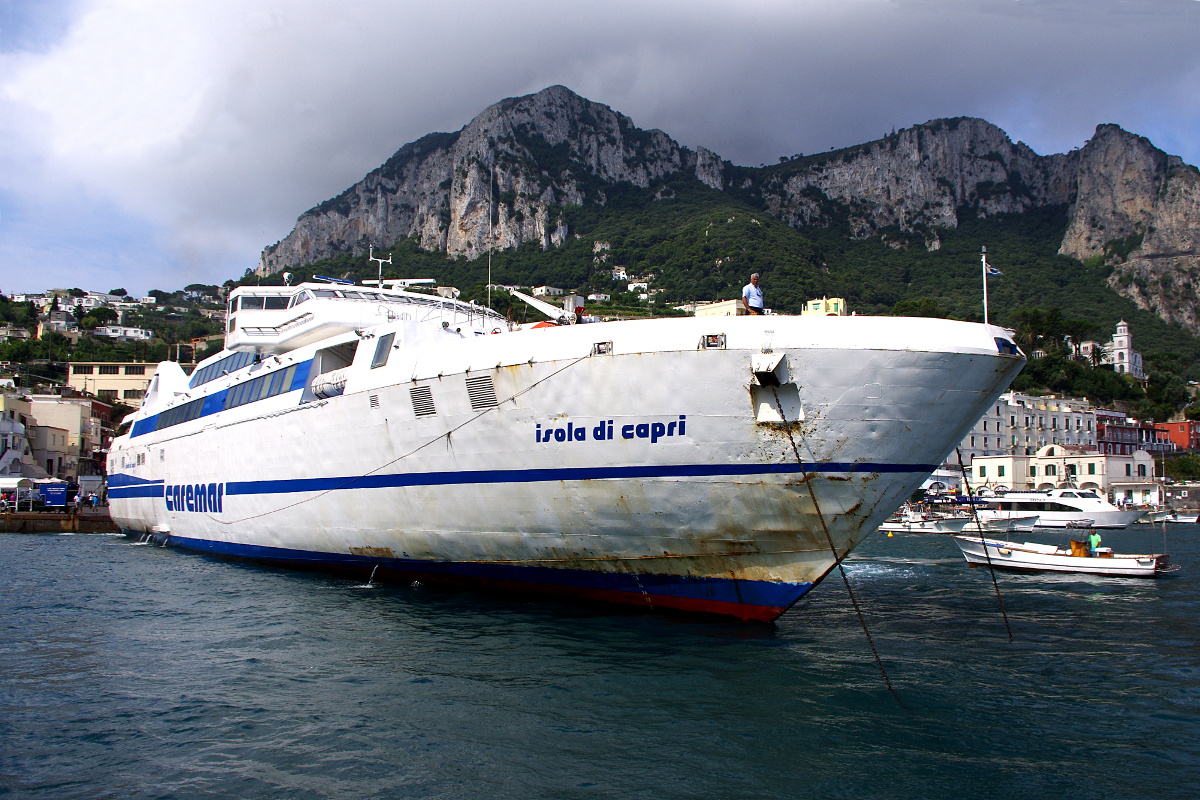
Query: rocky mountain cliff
(524, 159)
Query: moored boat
(1060, 508)
(1034, 557)
(715, 465)
(909, 520)
(999, 525)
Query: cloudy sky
(150, 144)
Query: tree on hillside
(922, 307)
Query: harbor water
(134, 671)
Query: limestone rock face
(521, 158)
(919, 178)
(1138, 209)
(503, 180)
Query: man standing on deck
(1093, 541)
(752, 296)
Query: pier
(88, 520)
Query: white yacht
(1060, 508)
(718, 465)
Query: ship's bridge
(277, 319)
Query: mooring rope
(837, 560)
(983, 541)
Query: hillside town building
(126, 382)
(825, 307)
(1118, 352)
(1184, 434)
(1019, 423)
(1128, 479)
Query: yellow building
(825, 307)
(109, 381)
(725, 308)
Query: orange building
(1185, 434)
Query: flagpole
(983, 265)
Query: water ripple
(139, 672)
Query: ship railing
(277, 329)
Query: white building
(14, 446)
(1020, 424)
(1128, 479)
(1118, 352)
(547, 291)
(123, 333)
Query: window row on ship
(279, 382)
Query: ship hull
(658, 477)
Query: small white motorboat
(1188, 519)
(998, 525)
(1032, 557)
(909, 520)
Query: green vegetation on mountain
(698, 244)
(693, 243)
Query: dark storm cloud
(210, 127)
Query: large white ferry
(720, 465)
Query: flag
(992, 271)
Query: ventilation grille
(422, 400)
(374, 401)
(482, 392)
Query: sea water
(134, 671)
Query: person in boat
(1093, 541)
(752, 296)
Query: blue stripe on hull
(698, 590)
(130, 487)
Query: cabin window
(277, 302)
(324, 293)
(383, 348)
(252, 301)
(300, 298)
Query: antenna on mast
(381, 263)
